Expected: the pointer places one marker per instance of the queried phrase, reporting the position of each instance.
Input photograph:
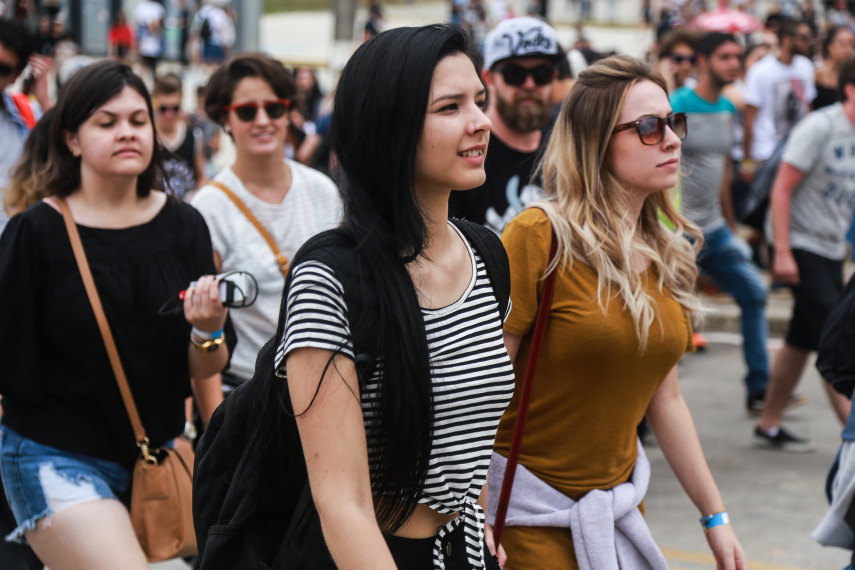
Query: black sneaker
(754, 403)
(783, 441)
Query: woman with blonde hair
(24, 189)
(618, 324)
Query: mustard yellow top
(592, 387)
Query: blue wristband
(715, 520)
(206, 335)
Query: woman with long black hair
(392, 341)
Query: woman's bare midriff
(424, 523)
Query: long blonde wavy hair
(25, 187)
(588, 207)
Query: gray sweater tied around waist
(609, 532)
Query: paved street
(774, 500)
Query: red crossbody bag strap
(525, 396)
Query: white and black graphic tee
(510, 187)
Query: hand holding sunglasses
(246, 112)
(651, 130)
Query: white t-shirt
(146, 13)
(311, 206)
(222, 29)
(782, 95)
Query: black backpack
(835, 358)
(242, 521)
(757, 202)
(760, 190)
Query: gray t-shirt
(705, 153)
(822, 146)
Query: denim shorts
(40, 480)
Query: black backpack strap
(834, 357)
(298, 521)
(495, 258)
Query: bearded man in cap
(520, 64)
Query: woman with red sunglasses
(618, 324)
(262, 192)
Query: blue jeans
(727, 261)
(850, 236)
(40, 480)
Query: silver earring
(227, 129)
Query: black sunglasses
(516, 75)
(651, 130)
(246, 111)
(6, 70)
(679, 59)
(165, 108)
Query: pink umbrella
(726, 20)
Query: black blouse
(57, 384)
(825, 96)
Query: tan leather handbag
(161, 493)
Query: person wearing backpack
(440, 377)
(216, 31)
(389, 356)
(813, 198)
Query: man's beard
(532, 116)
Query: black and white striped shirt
(473, 381)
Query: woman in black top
(68, 448)
(836, 49)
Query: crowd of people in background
(737, 144)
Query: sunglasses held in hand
(651, 130)
(246, 112)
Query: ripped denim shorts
(40, 480)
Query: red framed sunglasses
(246, 112)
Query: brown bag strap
(525, 395)
(103, 325)
(280, 257)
